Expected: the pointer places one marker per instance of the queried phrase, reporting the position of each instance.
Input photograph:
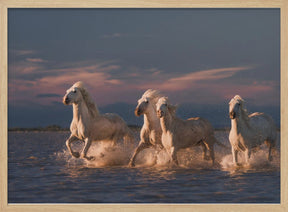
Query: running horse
(249, 131)
(89, 125)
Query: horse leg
(269, 153)
(247, 155)
(173, 153)
(210, 146)
(235, 156)
(85, 149)
(211, 151)
(140, 147)
(68, 144)
(204, 154)
(270, 144)
(158, 148)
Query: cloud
(159, 79)
(109, 82)
(211, 86)
(212, 74)
(155, 71)
(47, 95)
(266, 92)
(115, 35)
(36, 68)
(125, 35)
(94, 79)
(187, 80)
(36, 60)
(32, 80)
(21, 69)
(22, 52)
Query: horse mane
(154, 95)
(243, 108)
(92, 108)
(171, 108)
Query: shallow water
(40, 170)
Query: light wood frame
(6, 4)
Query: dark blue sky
(194, 56)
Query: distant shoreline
(53, 128)
(56, 128)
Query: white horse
(89, 125)
(151, 132)
(249, 131)
(178, 134)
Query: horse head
(73, 94)
(142, 106)
(163, 107)
(147, 102)
(235, 106)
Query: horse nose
(160, 113)
(232, 115)
(65, 100)
(137, 112)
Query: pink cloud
(209, 86)
(186, 81)
(95, 78)
(30, 69)
(36, 60)
(57, 81)
(224, 91)
(24, 67)
(203, 86)
(22, 52)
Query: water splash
(257, 162)
(107, 155)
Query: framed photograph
(143, 105)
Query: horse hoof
(76, 154)
(131, 165)
(90, 158)
(238, 165)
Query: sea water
(41, 170)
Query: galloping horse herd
(163, 129)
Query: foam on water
(106, 155)
(257, 162)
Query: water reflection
(157, 174)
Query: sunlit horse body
(178, 134)
(89, 125)
(151, 132)
(249, 131)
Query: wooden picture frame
(6, 4)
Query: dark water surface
(40, 170)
